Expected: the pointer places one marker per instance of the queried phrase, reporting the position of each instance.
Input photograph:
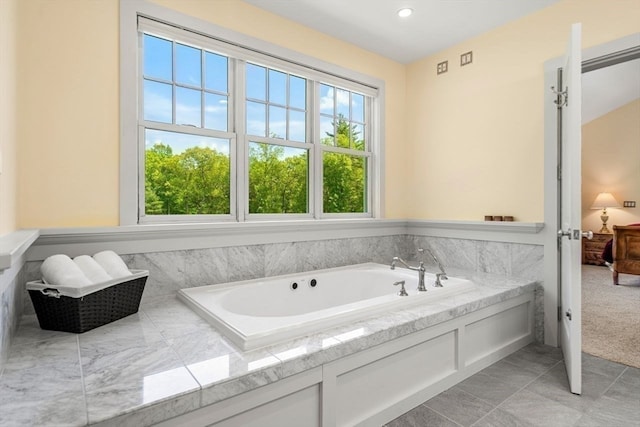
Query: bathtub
(261, 312)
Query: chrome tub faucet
(420, 269)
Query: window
(345, 150)
(229, 133)
(276, 127)
(187, 167)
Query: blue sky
(266, 88)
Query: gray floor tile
(544, 350)
(611, 395)
(459, 406)
(555, 385)
(631, 375)
(510, 373)
(538, 410)
(500, 418)
(627, 386)
(534, 362)
(421, 417)
(601, 366)
(611, 412)
(488, 388)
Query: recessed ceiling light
(403, 13)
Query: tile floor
(530, 388)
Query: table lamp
(604, 201)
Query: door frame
(591, 56)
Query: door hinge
(562, 97)
(559, 173)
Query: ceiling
(375, 26)
(436, 25)
(609, 88)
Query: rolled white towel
(60, 270)
(112, 264)
(94, 271)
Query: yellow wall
(476, 132)
(68, 113)
(8, 126)
(458, 146)
(611, 163)
(68, 86)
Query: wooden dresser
(592, 249)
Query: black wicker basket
(58, 312)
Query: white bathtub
(260, 312)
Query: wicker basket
(73, 310)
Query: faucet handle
(403, 291)
(439, 278)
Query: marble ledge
(14, 245)
(165, 360)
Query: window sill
(171, 237)
(503, 226)
(14, 245)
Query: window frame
(239, 47)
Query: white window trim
(129, 179)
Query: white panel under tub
(489, 334)
(301, 408)
(369, 389)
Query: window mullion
(241, 161)
(203, 70)
(371, 175)
(140, 135)
(317, 152)
(173, 82)
(141, 173)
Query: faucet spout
(420, 269)
(397, 259)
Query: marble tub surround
(173, 270)
(10, 308)
(165, 361)
(502, 258)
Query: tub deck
(165, 360)
(283, 314)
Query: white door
(570, 212)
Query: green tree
(277, 182)
(346, 136)
(161, 179)
(344, 176)
(205, 181)
(195, 181)
(343, 183)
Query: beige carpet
(611, 316)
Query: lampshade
(605, 200)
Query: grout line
(442, 415)
(517, 391)
(84, 389)
(614, 381)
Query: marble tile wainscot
(166, 362)
(173, 270)
(12, 277)
(170, 271)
